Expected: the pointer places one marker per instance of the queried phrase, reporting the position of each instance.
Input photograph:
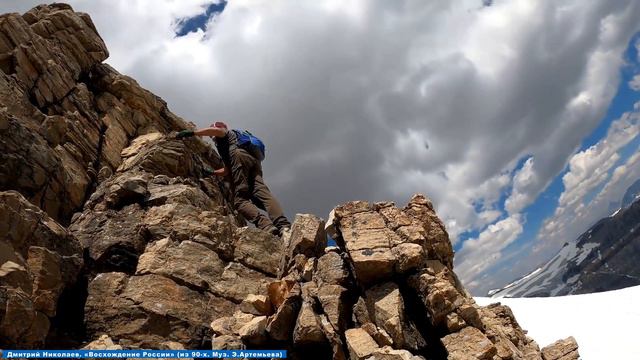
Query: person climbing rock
(242, 153)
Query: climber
(250, 192)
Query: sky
(518, 118)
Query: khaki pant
(251, 194)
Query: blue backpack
(250, 143)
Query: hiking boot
(272, 230)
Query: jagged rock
(159, 307)
(410, 256)
(258, 250)
(231, 325)
(333, 302)
(438, 293)
(187, 262)
(282, 323)
(309, 269)
(254, 332)
(378, 334)
(256, 304)
(39, 259)
(114, 238)
(279, 291)
(369, 243)
(455, 322)
(361, 345)
(307, 237)
(238, 281)
(104, 342)
(469, 343)
(566, 349)
(388, 310)
(130, 190)
(54, 129)
(360, 312)
(187, 222)
(45, 267)
(331, 269)
(227, 342)
(307, 329)
(388, 353)
(437, 245)
(335, 340)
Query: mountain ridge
(600, 259)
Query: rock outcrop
(113, 236)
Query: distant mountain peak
(631, 195)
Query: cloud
(634, 84)
(378, 100)
(481, 253)
(588, 170)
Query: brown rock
(388, 310)
(331, 269)
(438, 294)
(455, 322)
(351, 208)
(307, 236)
(437, 245)
(254, 332)
(114, 239)
(469, 343)
(410, 256)
(309, 269)
(279, 291)
(187, 262)
(188, 222)
(566, 349)
(282, 323)
(333, 302)
(379, 335)
(256, 305)
(361, 345)
(388, 353)
(45, 267)
(31, 289)
(155, 304)
(307, 329)
(54, 129)
(238, 281)
(337, 346)
(258, 250)
(13, 271)
(128, 190)
(227, 342)
(360, 312)
(104, 342)
(373, 265)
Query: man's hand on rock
(184, 134)
(220, 172)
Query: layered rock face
(113, 237)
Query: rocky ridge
(113, 237)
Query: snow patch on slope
(602, 323)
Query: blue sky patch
(192, 24)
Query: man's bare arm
(221, 172)
(212, 131)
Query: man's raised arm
(210, 131)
